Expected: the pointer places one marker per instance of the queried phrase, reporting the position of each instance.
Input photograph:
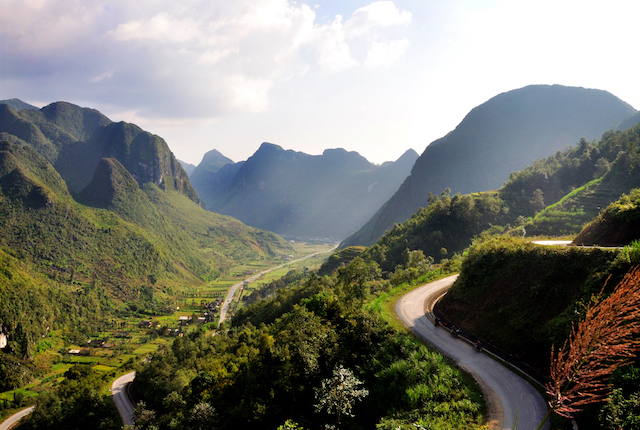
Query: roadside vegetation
(269, 367)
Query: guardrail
(487, 347)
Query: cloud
(377, 14)
(202, 58)
(385, 54)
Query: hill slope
(74, 139)
(299, 195)
(501, 136)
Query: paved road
(232, 291)
(121, 399)
(506, 393)
(12, 421)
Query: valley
(122, 342)
(121, 266)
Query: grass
(385, 303)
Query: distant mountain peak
(298, 194)
(18, 105)
(266, 146)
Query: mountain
(188, 167)
(211, 162)
(300, 195)
(208, 179)
(72, 262)
(74, 140)
(17, 104)
(501, 136)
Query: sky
(376, 77)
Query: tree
(355, 276)
(338, 394)
(202, 416)
(602, 168)
(538, 199)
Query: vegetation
(69, 270)
(575, 184)
(269, 368)
(498, 297)
(617, 225)
(80, 401)
(441, 229)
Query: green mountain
(501, 136)
(300, 195)
(74, 260)
(554, 196)
(75, 139)
(17, 104)
(575, 185)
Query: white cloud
(377, 14)
(385, 54)
(162, 27)
(333, 52)
(102, 76)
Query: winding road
(121, 398)
(13, 420)
(232, 291)
(508, 395)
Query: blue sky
(373, 77)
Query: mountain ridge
(299, 195)
(498, 137)
(74, 140)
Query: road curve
(13, 420)
(232, 291)
(121, 398)
(508, 395)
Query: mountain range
(298, 195)
(501, 136)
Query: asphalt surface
(13, 420)
(121, 398)
(508, 395)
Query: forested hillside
(501, 136)
(557, 195)
(278, 363)
(72, 262)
